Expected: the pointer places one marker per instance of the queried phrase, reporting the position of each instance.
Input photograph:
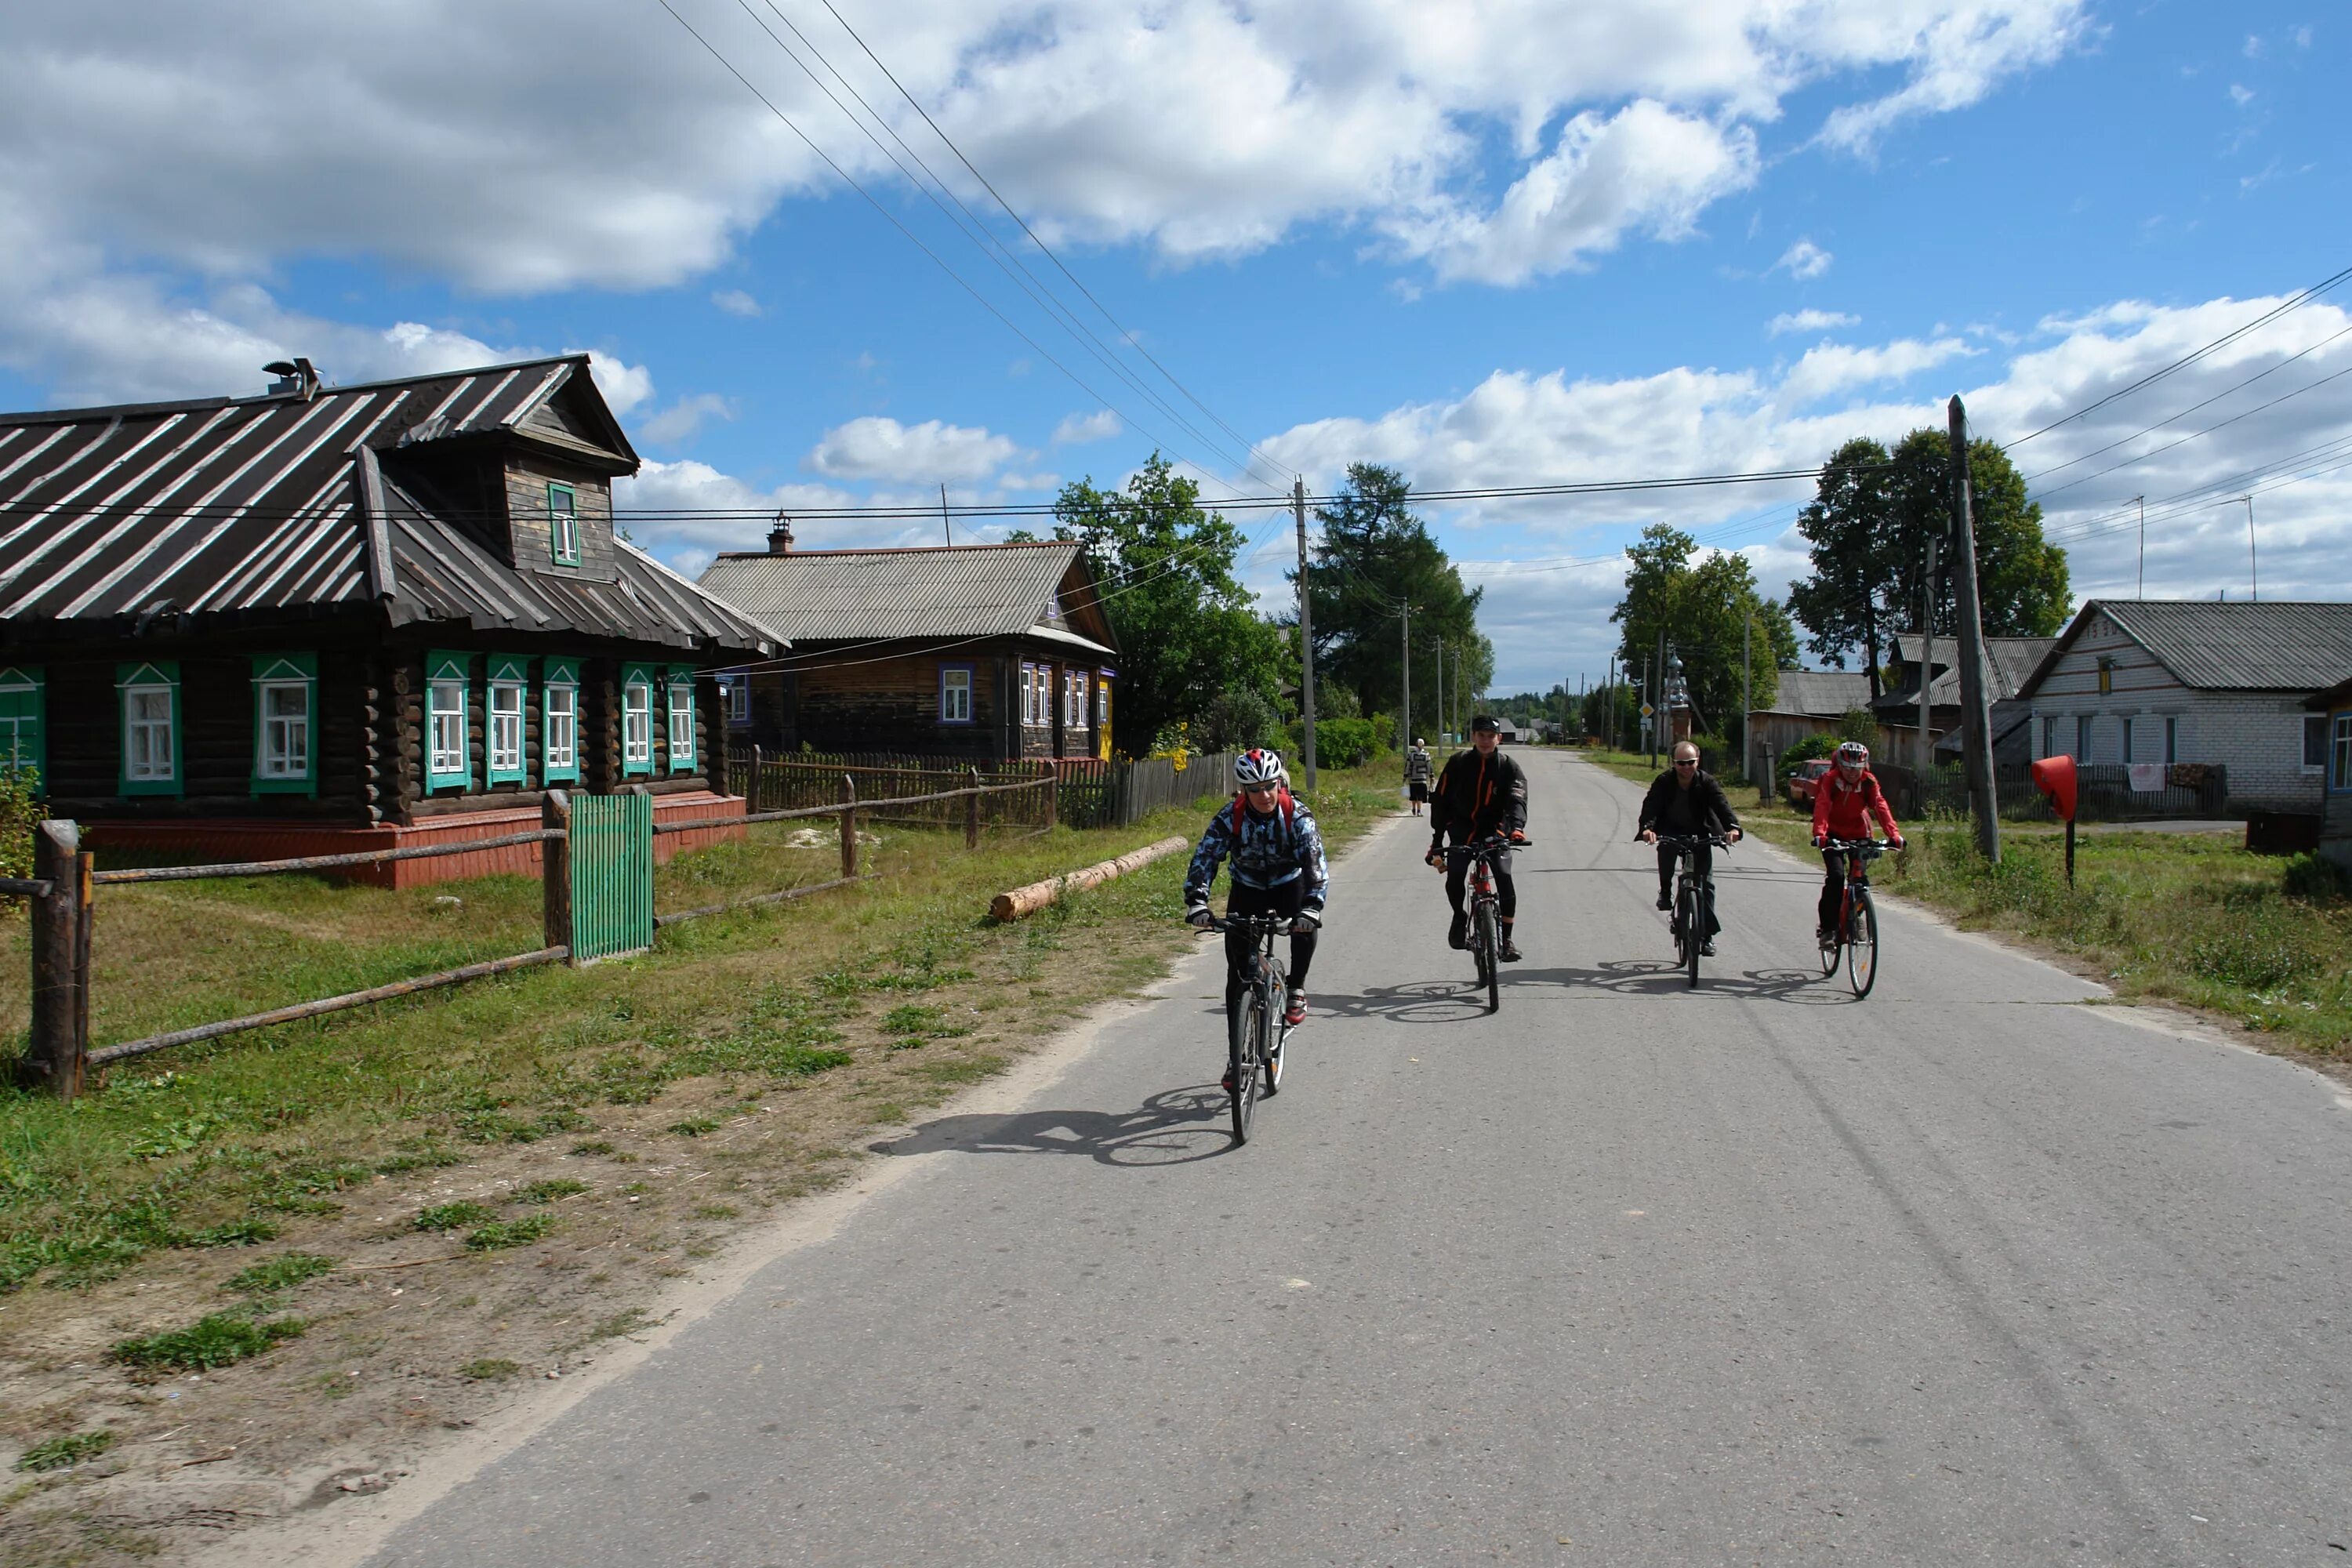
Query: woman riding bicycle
(1481, 791)
(1844, 803)
(1278, 870)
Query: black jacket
(1710, 809)
(1476, 795)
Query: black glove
(1304, 921)
(1199, 917)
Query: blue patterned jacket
(1267, 852)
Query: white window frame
(637, 723)
(955, 694)
(1028, 695)
(286, 738)
(505, 729)
(562, 723)
(2339, 746)
(678, 708)
(2131, 727)
(738, 697)
(563, 525)
(137, 724)
(444, 726)
(1102, 703)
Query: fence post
(971, 811)
(57, 1043)
(848, 827)
(1052, 775)
(555, 870)
(751, 785)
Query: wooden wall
(527, 477)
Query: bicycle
(1693, 898)
(1255, 1032)
(1485, 935)
(1857, 926)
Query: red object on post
(2054, 776)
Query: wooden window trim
(563, 525)
(678, 682)
(27, 680)
(151, 674)
(280, 672)
(559, 675)
(445, 668)
(971, 674)
(636, 679)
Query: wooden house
(2007, 662)
(334, 618)
(1804, 702)
(981, 652)
(2333, 708)
(2197, 680)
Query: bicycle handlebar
(1874, 845)
(1680, 839)
(1278, 924)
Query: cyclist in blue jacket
(1277, 868)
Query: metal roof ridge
(126, 410)
(900, 549)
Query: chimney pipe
(780, 538)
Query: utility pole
(1659, 714)
(1404, 632)
(1306, 630)
(1975, 718)
(2143, 545)
(1926, 658)
(1747, 635)
(2253, 565)
(1441, 694)
(944, 524)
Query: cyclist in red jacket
(1844, 801)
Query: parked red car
(1801, 782)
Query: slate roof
(2211, 645)
(2011, 660)
(1820, 693)
(259, 507)
(933, 591)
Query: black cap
(1487, 721)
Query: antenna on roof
(296, 378)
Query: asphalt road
(1966, 1273)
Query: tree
(1185, 629)
(1374, 557)
(1869, 524)
(1704, 608)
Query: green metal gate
(611, 853)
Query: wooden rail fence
(62, 894)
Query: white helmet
(1257, 766)
(1853, 756)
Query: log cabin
(984, 653)
(329, 618)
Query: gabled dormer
(1073, 606)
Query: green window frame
(151, 726)
(559, 721)
(506, 719)
(563, 524)
(679, 713)
(636, 721)
(286, 724)
(22, 722)
(448, 753)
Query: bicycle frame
(1859, 852)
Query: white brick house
(2196, 680)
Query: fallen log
(1028, 900)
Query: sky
(1505, 243)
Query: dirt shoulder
(440, 1261)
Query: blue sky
(1505, 244)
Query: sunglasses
(1685, 761)
(1258, 789)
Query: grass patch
(696, 1126)
(64, 1453)
(500, 1234)
(451, 1215)
(630, 1321)
(282, 1272)
(548, 1191)
(592, 1146)
(489, 1369)
(222, 1339)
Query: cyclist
(1844, 803)
(1480, 791)
(1418, 767)
(1687, 803)
(1278, 870)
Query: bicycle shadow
(1173, 1127)
(1413, 1002)
(1664, 977)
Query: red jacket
(1843, 810)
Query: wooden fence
(595, 894)
(2104, 792)
(1091, 793)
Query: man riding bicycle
(1844, 803)
(1480, 792)
(1278, 870)
(1687, 803)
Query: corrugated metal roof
(2216, 645)
(943, 591)
(251, 505)
(1820, 693)
(2012, 661)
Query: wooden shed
(330, 618)
(982, 652)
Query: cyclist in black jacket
(1686, 802)
(1481, 790)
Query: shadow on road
(1664, 977)
(1413, 1002)
(1173, 1128)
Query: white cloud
(2241, 95)
(1957, 55)
(683, 418)
(623, 385)
(878, 448)
(1809, 321)
(1079, 429)
(1804, 260)
(1835, 367)
(736, 303)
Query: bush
(19, 812)
(221, 1340)
(2317, 879)
(1858, 725)
(1805, 751)
(1235, 722)
(1342, 742)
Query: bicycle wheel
(1837, 934)
(1243, 1062)
(1694, 926)
(1277, 1031)
(1861, 945)
(1490, 944)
